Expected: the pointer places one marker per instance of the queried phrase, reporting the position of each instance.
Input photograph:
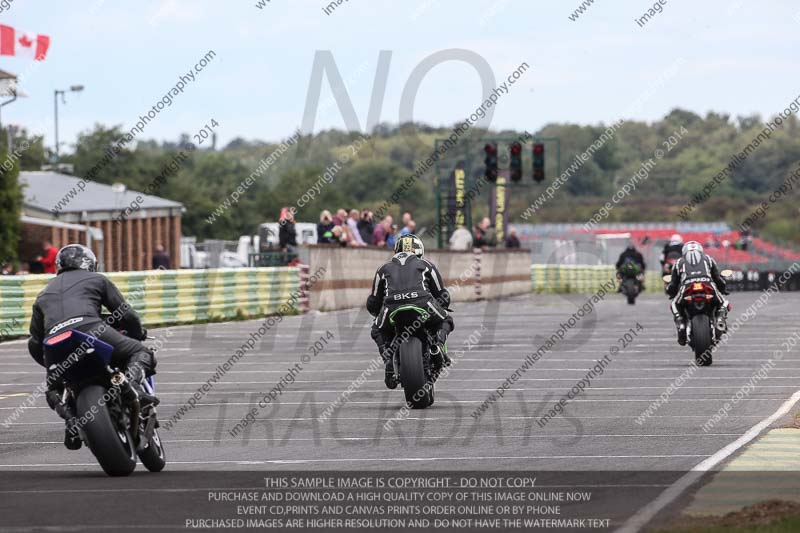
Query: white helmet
(676, 239)
(693, 252)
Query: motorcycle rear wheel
(112, 446)
(630, 290)
(701, 340)
(419, 394)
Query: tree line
(393, 152)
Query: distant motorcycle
(111, 420)
(704, 325)
(669, 265)
(631, 277)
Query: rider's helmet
(75, 257)
(630, 247)
(693, 252)
(409, 243)
(675, 239)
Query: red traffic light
(491, 162)
(516, 148)
(538, 148)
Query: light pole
(74, 89)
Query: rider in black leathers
(408, 279)
(73, 300)
(674, 248)
(695, 266)
(631, 254)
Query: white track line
(646, 513)
(244, 462)
(381, 438)
(445, 402)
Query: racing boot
(136, 375)
(439, 357)
(72, 438)
(439, 350)
(680, 324)
(388, 376)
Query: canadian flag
(21, 44)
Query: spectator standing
(485, 236)
(391, 237)
(48, 260)
(461, 239)
(325, 228)
(406, 218)
(287, 235)
(366, 226)
(354, 234)
(340, 235)
(382, 231)
(160, 258)
(7, 269)
(512, 241)
(341, 218)
(410, 227)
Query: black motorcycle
(630, 275)
(98, 401)
(412, 359)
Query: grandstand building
(571, 244)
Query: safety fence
(589, 278)
(582, 278)
(164, 297)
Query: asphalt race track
(599, 431)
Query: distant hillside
(376, 168)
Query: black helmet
(409, 243)
(75, 257)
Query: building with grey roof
(122, 226)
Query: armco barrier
(588, 278)
(470, 276)
(164, 297)
(583, 278)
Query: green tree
(10, 207)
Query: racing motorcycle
(109, 419)
(412, 358)
(631, 277)
(706, 322)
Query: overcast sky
(729, 56)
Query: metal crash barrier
(589, 278)
(164, 297)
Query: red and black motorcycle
(705, 319)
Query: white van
(268, 233)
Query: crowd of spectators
(354, 228)
(359, 228)
(483, 236)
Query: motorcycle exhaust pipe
(129, 396)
